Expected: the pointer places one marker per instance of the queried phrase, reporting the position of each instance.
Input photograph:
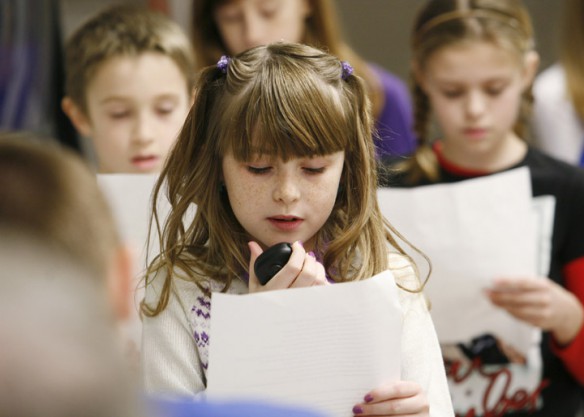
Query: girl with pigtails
(473, 66)
(229, 27)
(278, 148)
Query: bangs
(280, 116)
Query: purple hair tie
(347, 70)
(223, 63)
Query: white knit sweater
(175, 342)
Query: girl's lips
(475, 133)
(285, 223)
(145, 163)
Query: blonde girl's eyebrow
(270, 4)
(449, 82)
(114, 99)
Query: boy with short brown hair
(129, 79)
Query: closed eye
(119, 115)
(163, 111)
(258, 170)
(452, 94)
(314, 171)
(495, 91)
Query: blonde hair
(441, 23)
(123, 31)
(48, 191)
(571, 57)
(293, 101)
(321, 31)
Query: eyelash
(494, 91)
(164, 111)
(120, 115)
(452, 94)
(268, 13)
(258, 170)
(265, 170)
(314, 171)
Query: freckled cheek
(322, 196)
(245, 198)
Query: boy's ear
(77, 117)
(119, 282)
(531, 64)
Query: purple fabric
(395, 122)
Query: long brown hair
(441, 23)
(294, 100)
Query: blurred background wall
(378, 29)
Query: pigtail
(347, 231)
(521, 127)
(422, 112)
(182, 186)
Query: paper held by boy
(474, 231)
(130, 198)
(323, 347)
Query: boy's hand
(541, 303)
(302, 270)
(399, 398)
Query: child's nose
(475, 104)
(286, 189)
(253, 31)
(143, 130)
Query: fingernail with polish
(357, 410)
(311, 253)
(368, 398)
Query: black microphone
(271, 261)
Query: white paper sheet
(129, 196)
(473, 231)
(321, 347)
(544, 208)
